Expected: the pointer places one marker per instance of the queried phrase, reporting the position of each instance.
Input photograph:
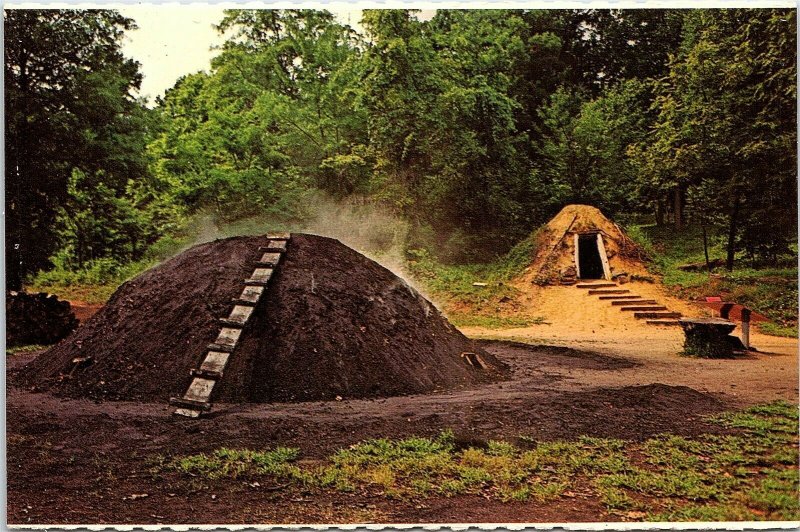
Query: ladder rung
(227, 322)
(220, 347)
(188, 403)
(207, 373)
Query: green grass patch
(465, 319)
(772, 291)
(20, 349)
(750, 474)
(492, 303)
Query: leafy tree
(726, 122)
(585, 148)
(68, 106)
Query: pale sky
(173, 41)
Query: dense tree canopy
(75, 136)
(475, 126)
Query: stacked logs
(37, 319)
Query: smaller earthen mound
(331, 323)
(37, 319)
(555, 258)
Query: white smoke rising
(371, 228)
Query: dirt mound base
(332, 323)
(37, 319)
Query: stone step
(608, 292)
(665, 323)
(628, 302)
(643, 308)
(656, 315)
(619, 297)
(596, 285)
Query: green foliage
(584, 155)
(233, 463)
(771, 291)
(489, 303)
(749, 474)
(474, 126)
(68, 109)
(723, 129)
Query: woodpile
(37, 319)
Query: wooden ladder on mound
(197, 399)
(643, 309)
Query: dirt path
(580, 321)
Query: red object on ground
(733, 311)
(713, 299)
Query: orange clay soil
(575, 319)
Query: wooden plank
(240, 313)
(275, 246)
(644, 308)
(215, 361)
(655, 315)
(261, 274)
(614, 298)
(187, 412)
(269, 260)
(252, 293)
(183, 402)
(228, 336)
(279, 236)
(604, 292)
(221, 348)
(577, 255)
(206, 374)
(621, 302)
(200, 390)
(601, 247)
(596, 285)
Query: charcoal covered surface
(332, 323)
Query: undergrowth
(772, 291)
(748, 474)
(478, 295)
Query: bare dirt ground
(605, 375)
(575, 319)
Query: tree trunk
(705, 247)
(660, 213)
(678, 204)
(732, 228)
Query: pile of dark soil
(332, 323)
(37, 319)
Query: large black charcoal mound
(332, 323)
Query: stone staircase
(649, 310)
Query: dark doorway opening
(589, 262)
